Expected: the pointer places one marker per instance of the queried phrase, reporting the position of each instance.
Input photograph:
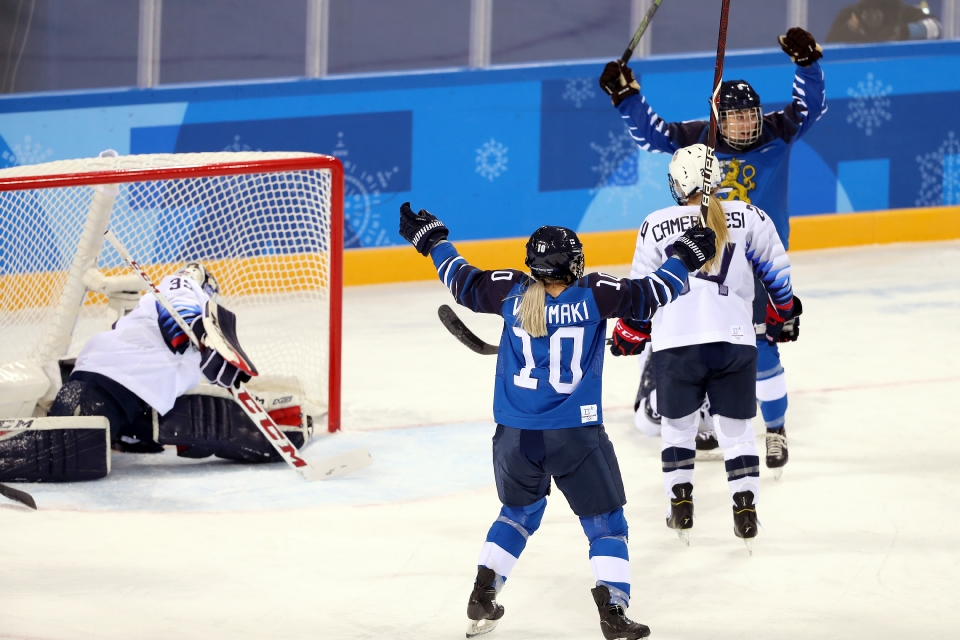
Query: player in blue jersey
(754, 153)
(547, 398)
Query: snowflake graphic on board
(578, 91)
(940, 174)
(362, 189)
(617, 165)
(239, 146)
(491, 159)
(870, 105)
(26, 152)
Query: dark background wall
(48, 45)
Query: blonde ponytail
(533, 305)
(717, 220)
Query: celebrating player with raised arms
(754, 150)
(547, 397)
(703, 344)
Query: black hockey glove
(630, 337)
(422, 230)
(695, 247)
(218, 371)
(618, 81)
(801, 47)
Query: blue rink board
(497, 152)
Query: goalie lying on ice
(142, 376)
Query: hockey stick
(17, 496)
(328, 468)
(710, 160)
(640, 30)
(459, 330)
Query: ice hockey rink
(859, 536)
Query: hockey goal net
(269, 225)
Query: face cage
(748, 121)
(677, 192)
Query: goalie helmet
(686, 172)
(555, 252)
(741, 119)
(198, 272)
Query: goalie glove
(222, 360)
(618, 81)
(422, 229)
(630, 337)
(801, 46)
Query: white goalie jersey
(136, 352)
(717, 306)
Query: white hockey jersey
(135, 354)
(714, 307)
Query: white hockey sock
(678, 450)
(738, 441)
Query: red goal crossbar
(273, 165)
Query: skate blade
(711, 454)
(480, 627)
(749, 544)
(684, 535)
(777, 472)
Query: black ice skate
(681, 511)
(482, 609)
(648, 384)
(614, 623)
(777, 454)
(708, 448)
(745, 518)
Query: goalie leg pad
(54, 449)
(202, 425)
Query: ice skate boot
(483, 609)
(708, 448)
(614, 623)
(681, 511)
(777, 454)
(745, 518)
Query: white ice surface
(859, 537)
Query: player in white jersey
(146, 361)
(703, 344)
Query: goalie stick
(17, 496)
(459, 330)
(710, 160)
(640, 30)
(326, 468)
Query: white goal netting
(265, 235)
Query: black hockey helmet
(741, 120)
(737, 94)
(555, 252)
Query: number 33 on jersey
(554, 382)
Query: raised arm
(647, 129)
(475, 289)
(809, 94)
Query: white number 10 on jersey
(524, 380)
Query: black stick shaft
(640, 30)
(19, 496)
(710, 164)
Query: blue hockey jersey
(759, 175)
(554, 382)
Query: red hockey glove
(777, 314)
(791, 328)
(630, 337)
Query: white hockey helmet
(686, 172)
(198, 272)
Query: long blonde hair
(532, 316)
(716, 220)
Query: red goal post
(269, 224)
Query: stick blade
(340, 464)
(460, 331)
(18, 496)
